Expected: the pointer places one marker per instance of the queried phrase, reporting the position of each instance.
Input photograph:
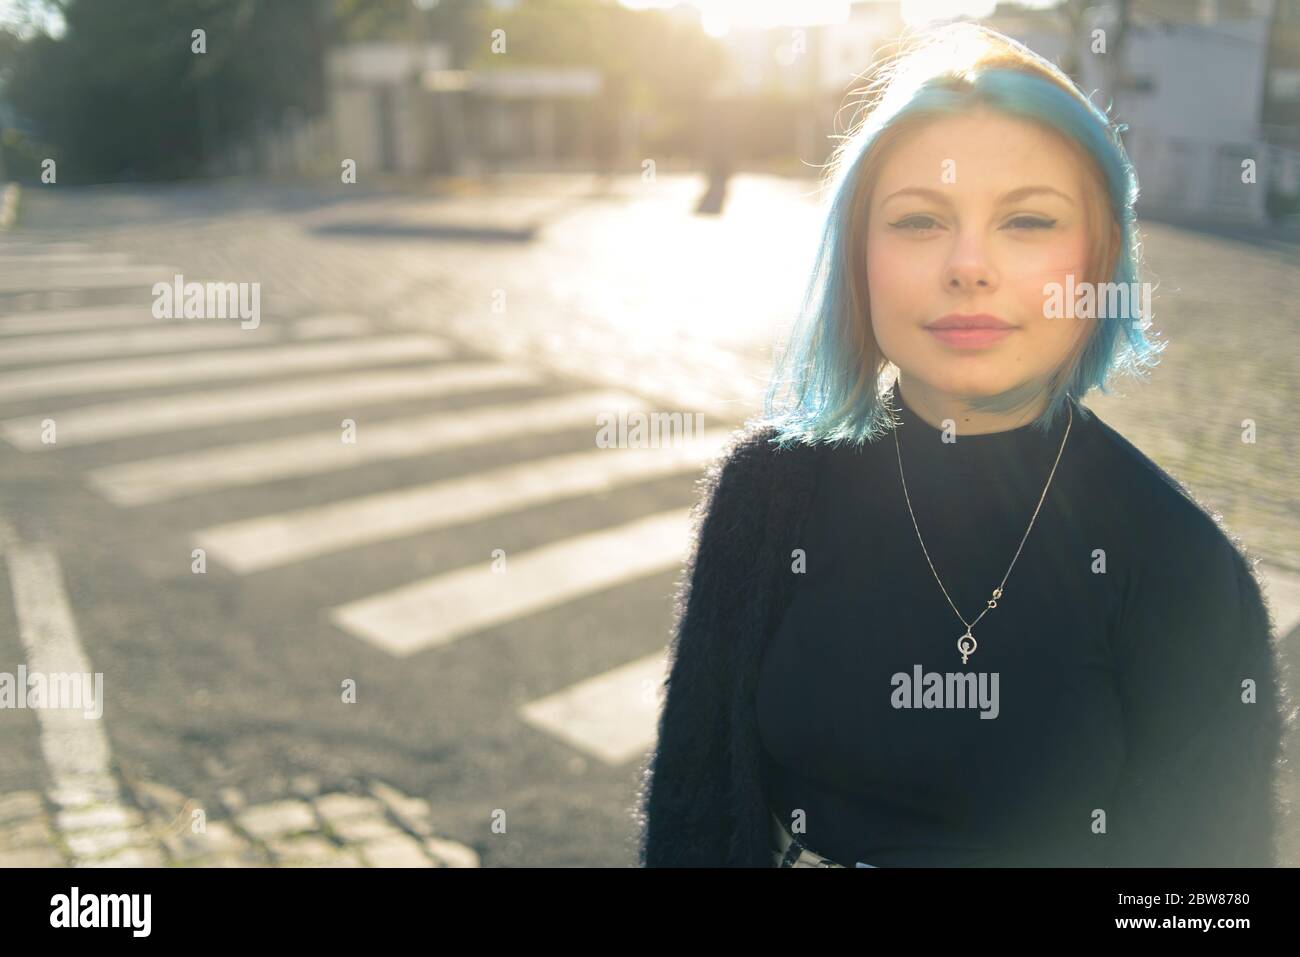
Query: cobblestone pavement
(381, 827)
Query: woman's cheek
(890, 273)
(1037, 272)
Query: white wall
(1191, 131)
(1208, 80)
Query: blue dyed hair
(827, 383)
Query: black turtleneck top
(1113, 646)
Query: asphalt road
(361, 558)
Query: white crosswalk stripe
(74, 320)
(328, 327)
(275, 540)
(73, 742)
(438, 610)
(35, 249)
(13, 259)
(84, 277)
(234, 364)
(101, 423)
(171, 338)
(1283, 597)
(252, 463)
(613, 717)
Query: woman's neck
(934, 407)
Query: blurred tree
(651, 62)
(371, 19)
(658, 58)
(121, 94)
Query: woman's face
(972, 216)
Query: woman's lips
(979, 337)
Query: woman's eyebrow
(932, 194)
(1025, 191)
(939, 196)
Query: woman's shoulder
(1181, 549)
(752, 460)
(1153, 502)
(740, 490)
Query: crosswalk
(437, 610)
(166, 477)
(103, 422)
(273, 541)
(68, 368)
(87, 377)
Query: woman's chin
(970, 383)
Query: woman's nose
(968, 266)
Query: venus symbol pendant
(966, 645)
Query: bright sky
(720, 15)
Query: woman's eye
(1032, 222)
(915, 223)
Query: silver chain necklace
(966, 643)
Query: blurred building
(377, 105)
(400, 108)
(1205, 86)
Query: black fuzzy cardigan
(701, 800)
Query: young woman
(937, 612)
